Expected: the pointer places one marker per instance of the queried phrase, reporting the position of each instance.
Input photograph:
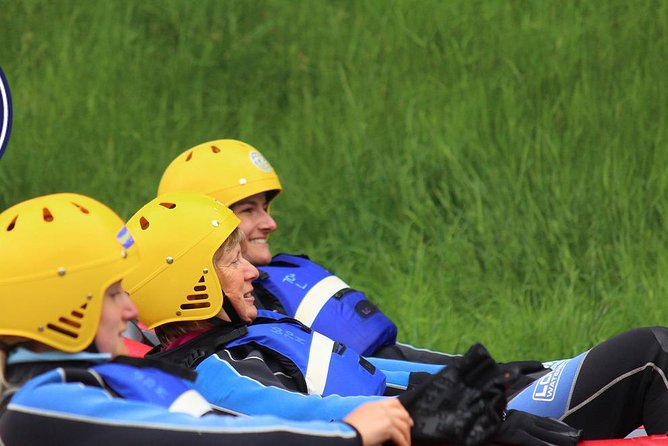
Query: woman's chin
(250, 315)
(258, 255)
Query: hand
(525, 429)
(381, 421)
(462, 404)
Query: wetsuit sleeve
(406, 352)
(49, 411)
(230, 391)
(396, 365)
(401, 375)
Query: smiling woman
(117, 310)
(66, 254)
(248, 182)
(257, 224)
(236, 274)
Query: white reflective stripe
(192, 403)
(318, 363)
(317, 297)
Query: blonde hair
(232, 241)
(168, 333)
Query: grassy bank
(490, 171)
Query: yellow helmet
(59, 255)
(226, 169)
(178, 234)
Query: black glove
(523, 373)
(523, 367)
(462, 404)
(524, 429)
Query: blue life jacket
(319, 299)
(153, 386)
(549, 395)
(328, 367)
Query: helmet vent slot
(143, 223)
(196, 305)
(12, 223)
(46, 215)
(189, 156)
(215, 149)
(198, 300)
(69, 322)
(81, 208)
(197, 297)
(168, 205)
(62, 331)
(69, 325)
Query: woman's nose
(268, 223)
(251, 273)
(130, 310)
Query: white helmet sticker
(260, 161)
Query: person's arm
(406, 352)
(402, 375)
(398, 365)
(48, 411)
(230, 391)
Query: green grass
(491, 171)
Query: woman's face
(257, 224)
(117, 310)
(235, 274)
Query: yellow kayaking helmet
(226, 169)
(178, 233)
(59, 254)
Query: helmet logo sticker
(125, 238)
(260, 161)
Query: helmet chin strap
(92, 348)
(231, 312)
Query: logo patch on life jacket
(292, 280)
(365, 308)
(288, 334)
